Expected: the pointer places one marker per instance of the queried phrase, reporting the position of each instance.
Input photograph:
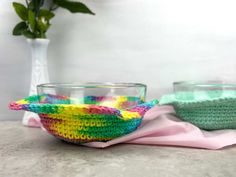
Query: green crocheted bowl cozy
(210, 110)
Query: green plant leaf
(19, 29)
(43, 24)
(21, 10)
(29, 34)
(74, 7)
(46, 13)
(31, 19)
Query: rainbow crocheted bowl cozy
(88, 121)
(210, 110)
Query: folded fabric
(160, 126)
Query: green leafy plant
(36, 15)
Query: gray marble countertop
(30, 152)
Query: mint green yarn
(210, 110)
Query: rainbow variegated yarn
(86, 120)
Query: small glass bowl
(117, 95)
(188, 90)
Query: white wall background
(150, 41)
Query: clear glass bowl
(203, 89)
(118, 95)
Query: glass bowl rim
(92, 85)
(209, 83)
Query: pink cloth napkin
(161, 127)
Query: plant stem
(36, 8)
(43, 35)
(27, 3)
(41, 3)
(53, 7)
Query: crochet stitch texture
(90, 119)
(210, 110)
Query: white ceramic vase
(39, 75)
